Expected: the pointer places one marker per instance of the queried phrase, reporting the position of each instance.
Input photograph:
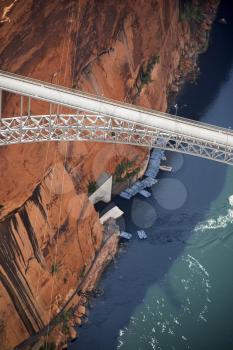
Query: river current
(175, 289)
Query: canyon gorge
(137, 52)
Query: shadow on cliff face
(142, 264)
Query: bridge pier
(104, 190)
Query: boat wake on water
(162, 316)
(221, 221)
(214, 229)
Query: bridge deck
(107, 107)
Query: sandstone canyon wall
(133, 51)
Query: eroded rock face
(133, 51)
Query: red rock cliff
(133, 51)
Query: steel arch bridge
(104, 120)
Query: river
(175, 289)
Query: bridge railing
(117, 103)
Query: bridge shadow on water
(142, 264)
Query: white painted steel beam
(88, 127)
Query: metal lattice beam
(87, 127)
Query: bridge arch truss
(99, 128)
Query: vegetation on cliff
(145, 73)
(125, 170)
(191, 12)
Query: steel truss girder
(87, 127)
